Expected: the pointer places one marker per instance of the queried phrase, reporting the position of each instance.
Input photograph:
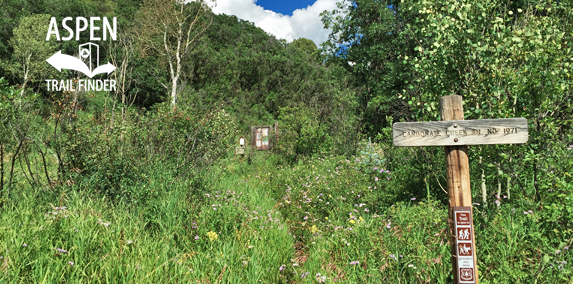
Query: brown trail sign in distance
(455, 134)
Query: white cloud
(303, 22)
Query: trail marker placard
(461, 132)
(455, 134)
(464, 243)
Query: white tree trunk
(483, 187)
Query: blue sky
(288, 20)
(284, 7)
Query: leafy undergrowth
(325, 220)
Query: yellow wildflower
(212, 235)
(313, 229)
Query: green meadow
(142, 184)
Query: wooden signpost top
(455, 134)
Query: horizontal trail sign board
(461, 132)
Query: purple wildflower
(61, 250)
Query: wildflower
(61, 250)
(530, 212)
(129, 242)
(325, 218)
(352, 221)
(375, 178)
(212, 235)
(245, 263)
(497, 201)
(558, 251)
(566, 248)
(320, 279)
(393, 256)
(354, 262)
(413, 198)
(24, 245)
(282, 267)
(304, 274)
(313, 229)
(436, 234)
(196, 237)
(388, 226)
(71, 263)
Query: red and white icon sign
(464, 234)
(465, 249)
(467, 274)
(463, 218)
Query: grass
(327, 219)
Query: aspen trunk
(483, 187)
(499, 173)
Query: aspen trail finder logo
(88, 60)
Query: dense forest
(141, 184)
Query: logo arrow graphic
(106, 68)
(63, 61)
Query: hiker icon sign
(464, 234)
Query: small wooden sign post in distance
(455, 134)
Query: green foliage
(114, 159)
(94, 190)
(366, 41)
(302, 134)
(30, 50)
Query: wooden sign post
(455, 134)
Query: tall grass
(328, 219)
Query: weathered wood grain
(461, 132)
(458, 175)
